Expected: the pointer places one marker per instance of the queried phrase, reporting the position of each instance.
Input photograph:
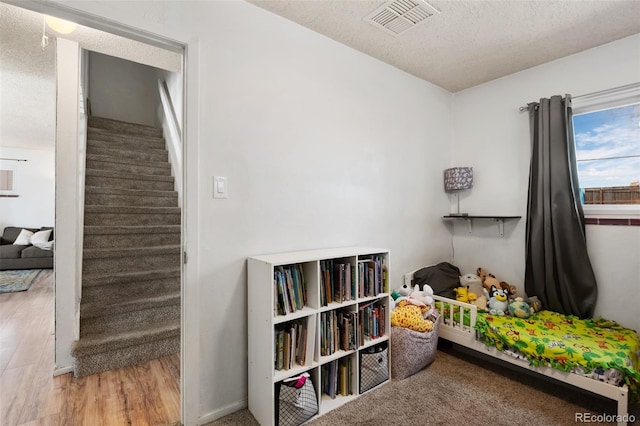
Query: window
(607, 137)
(8, 174)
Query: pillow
(442, 278)
(48, 245)
(40, 237)
(24, 238)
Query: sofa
(20, 256)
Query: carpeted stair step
(101, 261)
(124, 165)
(118, 286)
(105, 178)
(121, 316)
(95, 195)
(155, 155)
(98, 353)
(102, 135)
(131, 236)
(130, 307)
(123, 127)
(127, 215)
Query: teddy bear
(489, 280)
(410, 316)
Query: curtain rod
(632, 86)
(13, 159)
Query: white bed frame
(463, 335)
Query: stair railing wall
(172, 135)
(83, 121)
(66, 261)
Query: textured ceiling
(27, 73)
(470, 42)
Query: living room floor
(145, 394)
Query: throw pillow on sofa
(24, 238)
(40, 237)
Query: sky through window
(608, 146)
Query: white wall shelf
(265, 318)
(471, 218)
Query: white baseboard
(62, 370)
(224, 411)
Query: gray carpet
(458, 389)
(130, 309)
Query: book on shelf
(280, 350)
(336, 377)
(291, 288)
(326, 274)
(372, 276)
(291, 344)
(371, 321)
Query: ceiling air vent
(398, 16)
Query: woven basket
(411, 351)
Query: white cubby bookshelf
(265, 320)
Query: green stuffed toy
(520, 309)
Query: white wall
(175, 84)
(35, 182)
(68, 197)
(491, 135)
(122, 90)
(323, 146)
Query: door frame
(188, 46)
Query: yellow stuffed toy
(410, 316)
(464, 295)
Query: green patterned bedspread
(565, 342)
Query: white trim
(224, 411)
(605, 99)
(59, 371)
(611, 211)
(63, 11)
(190, 355)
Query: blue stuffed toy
(498, 304)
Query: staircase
(130, 308)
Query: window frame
(606, 99)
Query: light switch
(220, 187)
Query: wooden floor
(147, 394)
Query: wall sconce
(458, 179)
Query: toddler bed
(595, 355)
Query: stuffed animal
(472, 281)
(521, 309)
(489, 280)
(410, 316)
(424, 296)
(481, 302)
(498, 304)
(464, 295)
(534, 303)
(427, 292)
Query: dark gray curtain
(558, 269)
